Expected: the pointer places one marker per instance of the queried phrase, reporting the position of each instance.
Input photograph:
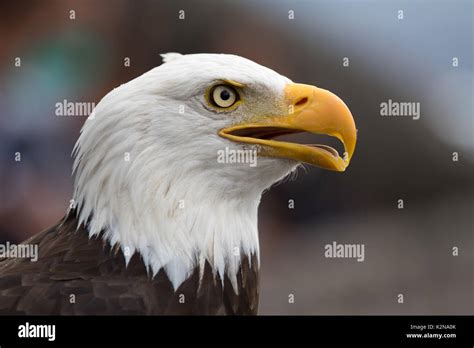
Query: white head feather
(147, 173)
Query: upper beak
(310, 109)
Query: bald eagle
(158, 225)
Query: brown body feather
(75, 275)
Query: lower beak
(310, 109)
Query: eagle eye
(223, 96)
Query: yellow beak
(310, 109)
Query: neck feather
(174, 223)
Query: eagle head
(173, 163)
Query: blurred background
(407, 251)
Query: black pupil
(225, 95)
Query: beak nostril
(302, 101)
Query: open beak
(310, 109)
